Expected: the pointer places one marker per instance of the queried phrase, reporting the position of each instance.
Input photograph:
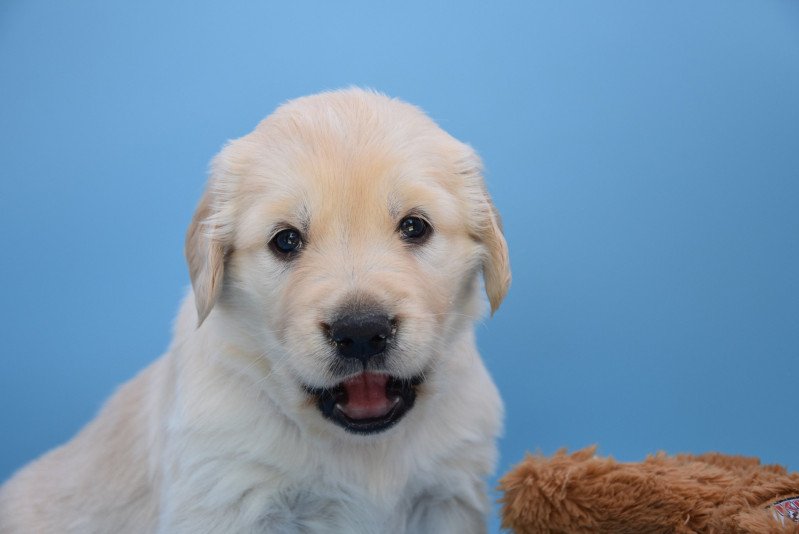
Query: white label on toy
(786, 509)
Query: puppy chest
(332, 509)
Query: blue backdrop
(645, 156)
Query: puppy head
(344, 239)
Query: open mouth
(368, 402)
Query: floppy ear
(496, 264)
(205, 254)
(486, 227)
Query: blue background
(644, 155)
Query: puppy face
(343, 239)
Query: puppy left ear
(496, 265)
(487, 229)
(205, 254)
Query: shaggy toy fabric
(709, 493)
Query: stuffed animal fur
(710, 493)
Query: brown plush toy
(710, 493)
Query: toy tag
(786, 509)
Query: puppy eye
(414, 229)
(286, 242)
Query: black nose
(361, 335)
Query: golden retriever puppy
(323, 375)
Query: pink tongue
(366, 396)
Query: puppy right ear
(205, 253)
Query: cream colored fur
(218, 435)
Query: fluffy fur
(684, 494)
(219, 434)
